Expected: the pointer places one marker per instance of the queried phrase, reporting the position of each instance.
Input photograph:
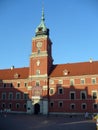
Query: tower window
(37, 83)
(37, 72)
(38, 51)
(40, 29)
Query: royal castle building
(47, 88)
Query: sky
(73, 28)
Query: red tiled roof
(15, 73)
(75, 69)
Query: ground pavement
(39, 122)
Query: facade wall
(79, 97)
(14, 95)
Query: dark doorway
(36, 108)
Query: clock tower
(40, 67)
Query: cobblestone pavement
(37, 122)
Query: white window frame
(74, 95)
(95, 91)
(84, 92)
(72, 82)
(60, 81)
(51, 81)
(59, 90)
(50, 91)
(82, 81)
(93, 80)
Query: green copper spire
(42, 29)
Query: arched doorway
(36, 108)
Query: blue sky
(73, 28)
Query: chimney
(12, 67)
(91, 60)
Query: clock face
(39, 44)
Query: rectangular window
(3, 105)
(10, 96)
(51, 104)
(60, 104)
(37, 72)
(72, 95)
(82, 81)
(18, 84)
(4, 85)
(10, 105)
(94, 95)
(3, 96)
(25, 84)
(83, 94)
(25, 96)
(93, 80)
(60, 82)
(11, 85)
(95, 106)
(84, 106)
(71, 82)
(37, 83)
(18, 96)
(72, 106)
(60, 90)
(51, 81)
(17, 105)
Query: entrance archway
(36, 108)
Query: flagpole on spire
(43, 18)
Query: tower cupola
(42, 29)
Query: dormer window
(65, 72)
(16, 76)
